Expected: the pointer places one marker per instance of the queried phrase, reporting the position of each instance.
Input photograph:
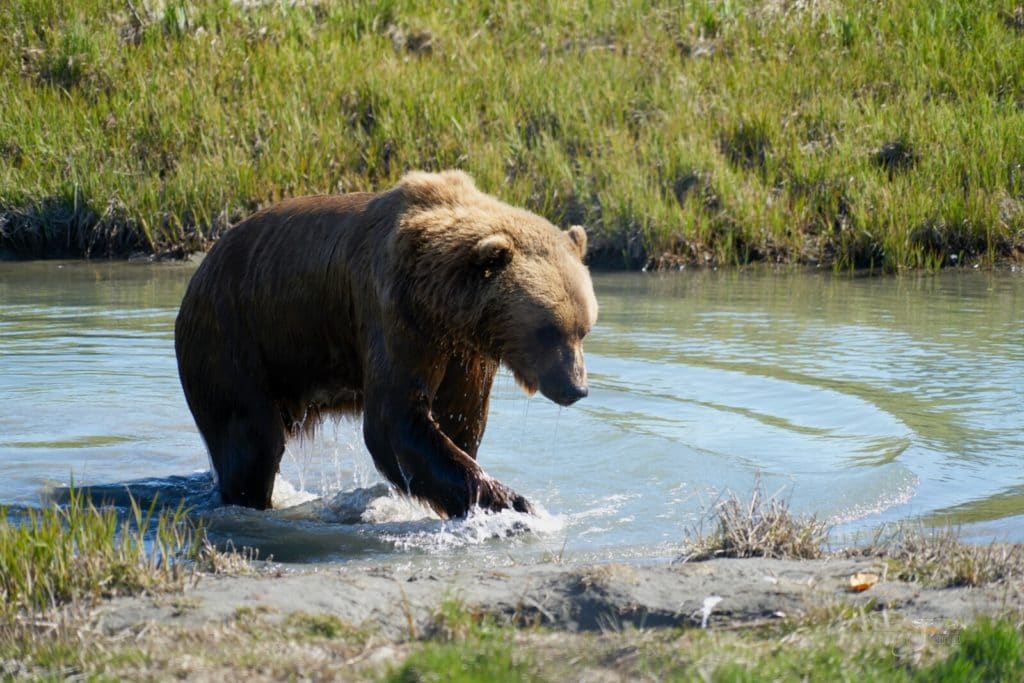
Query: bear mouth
(528, 385)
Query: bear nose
(573, 393)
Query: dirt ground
(400, 604)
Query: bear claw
(494, 495)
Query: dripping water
(523, 431)
(554, 435)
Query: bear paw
(493, 495)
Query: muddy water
(861, 400)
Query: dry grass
(939, 558)
(307, 647)
(762, 526)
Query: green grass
(986, 651)
(849, 645)
(80, 553)
(837, 132)
(58, 562)
(304, 625)
(465, 646)
(989, 651)
(478, 660)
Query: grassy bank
(834, 644)
(59, 565)
(882, 134)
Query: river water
(862, 401)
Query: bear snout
(564, 381)
(564, 393)
(572, 394)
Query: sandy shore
(544, 621)
(399, 604)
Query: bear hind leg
(246, 450)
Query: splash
(286, 495)
(408, 525)
(479, 527)
(382, 513)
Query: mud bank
(726, 593)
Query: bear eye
(549, 335)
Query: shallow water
(861, 400)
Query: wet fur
(398, 305)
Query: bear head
(499, 279)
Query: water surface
(860, 400)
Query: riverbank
(833, 133)
(98, 601)
(727, 619)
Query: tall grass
(79, 553)
(884, 133)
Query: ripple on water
(861, 401)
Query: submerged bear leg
(410, 449)
(246, 446)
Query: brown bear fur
(399, 304)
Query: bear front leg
(410, 449)
(460, 404)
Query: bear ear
(492, 253)
(578, 237)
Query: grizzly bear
(400, 305)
